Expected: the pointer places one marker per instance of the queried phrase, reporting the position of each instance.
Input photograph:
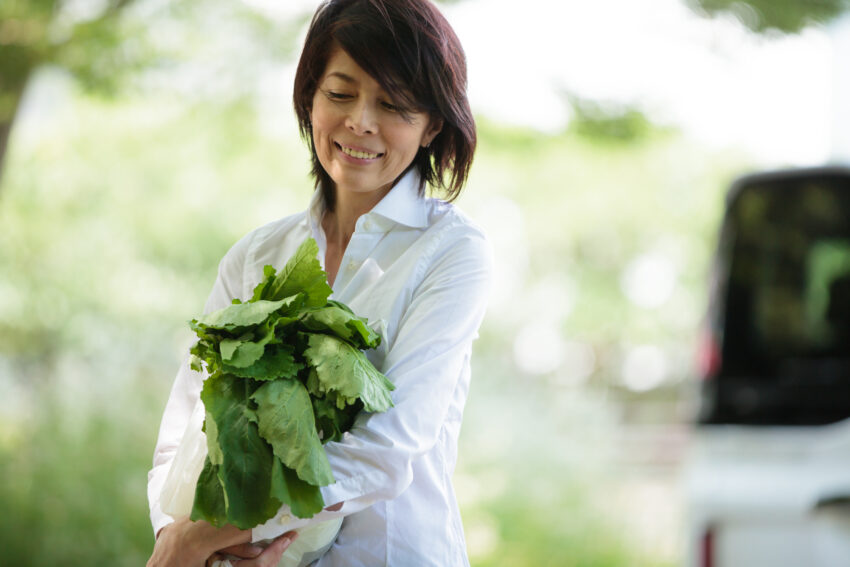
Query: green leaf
(241, 314)
(240, 354)
(303, 499)
(314, 386)
(213, 447)
(341, 322)
(243, 352)
(302, 273)
(268, 278)
(209, 501)
(332, 397)
(286, 421)
(343, 369)
(341, 305)
(245, 470)
(228, 347)
(277, 362)
(331, 420)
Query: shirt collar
(402, 204)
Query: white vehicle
(768, 479)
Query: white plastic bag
(178, 492)
(178, 495)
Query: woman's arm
(426, 360)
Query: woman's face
(362, 139)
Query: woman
(380, 95)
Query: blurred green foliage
(606, 123)
(110, 46)
(765, 16)
(71, 482)
(87, 39)
(107, 250)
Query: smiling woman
(409, 60)
(380, 95)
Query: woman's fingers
(242, 550)
(270, 555)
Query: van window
(786, 321)
(790, 276)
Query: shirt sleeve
(186, 389)
(425, 362)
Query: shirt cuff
(159, 520)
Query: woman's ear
(434, 127)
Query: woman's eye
(391, 107)
(336, 96)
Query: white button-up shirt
(420, 271)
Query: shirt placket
(366, 236)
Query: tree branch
(6, 123)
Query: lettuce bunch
(286, 375)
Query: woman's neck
(339, 224)
(348, 207)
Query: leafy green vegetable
(246, 463)
(346, 372)
(241, 314)
(277, 362)
(209, 497)
(303, 498)
(286, 375)
(302, 273)
(332, 421)
(337, 319)
(286, 421)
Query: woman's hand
(242, 551)
(255, 556)
(185, 543)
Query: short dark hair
(410, 49)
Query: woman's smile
(358, 155)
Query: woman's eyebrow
(340, 75)
(351, 80)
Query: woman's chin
(359, 184)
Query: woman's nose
(361, 119)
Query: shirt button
(285, 518)
(351, 265)
(367, 225)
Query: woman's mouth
(356, 153)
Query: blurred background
(139, 139)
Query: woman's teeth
(357, 154)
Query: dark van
(769, 475)
(778, 350)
